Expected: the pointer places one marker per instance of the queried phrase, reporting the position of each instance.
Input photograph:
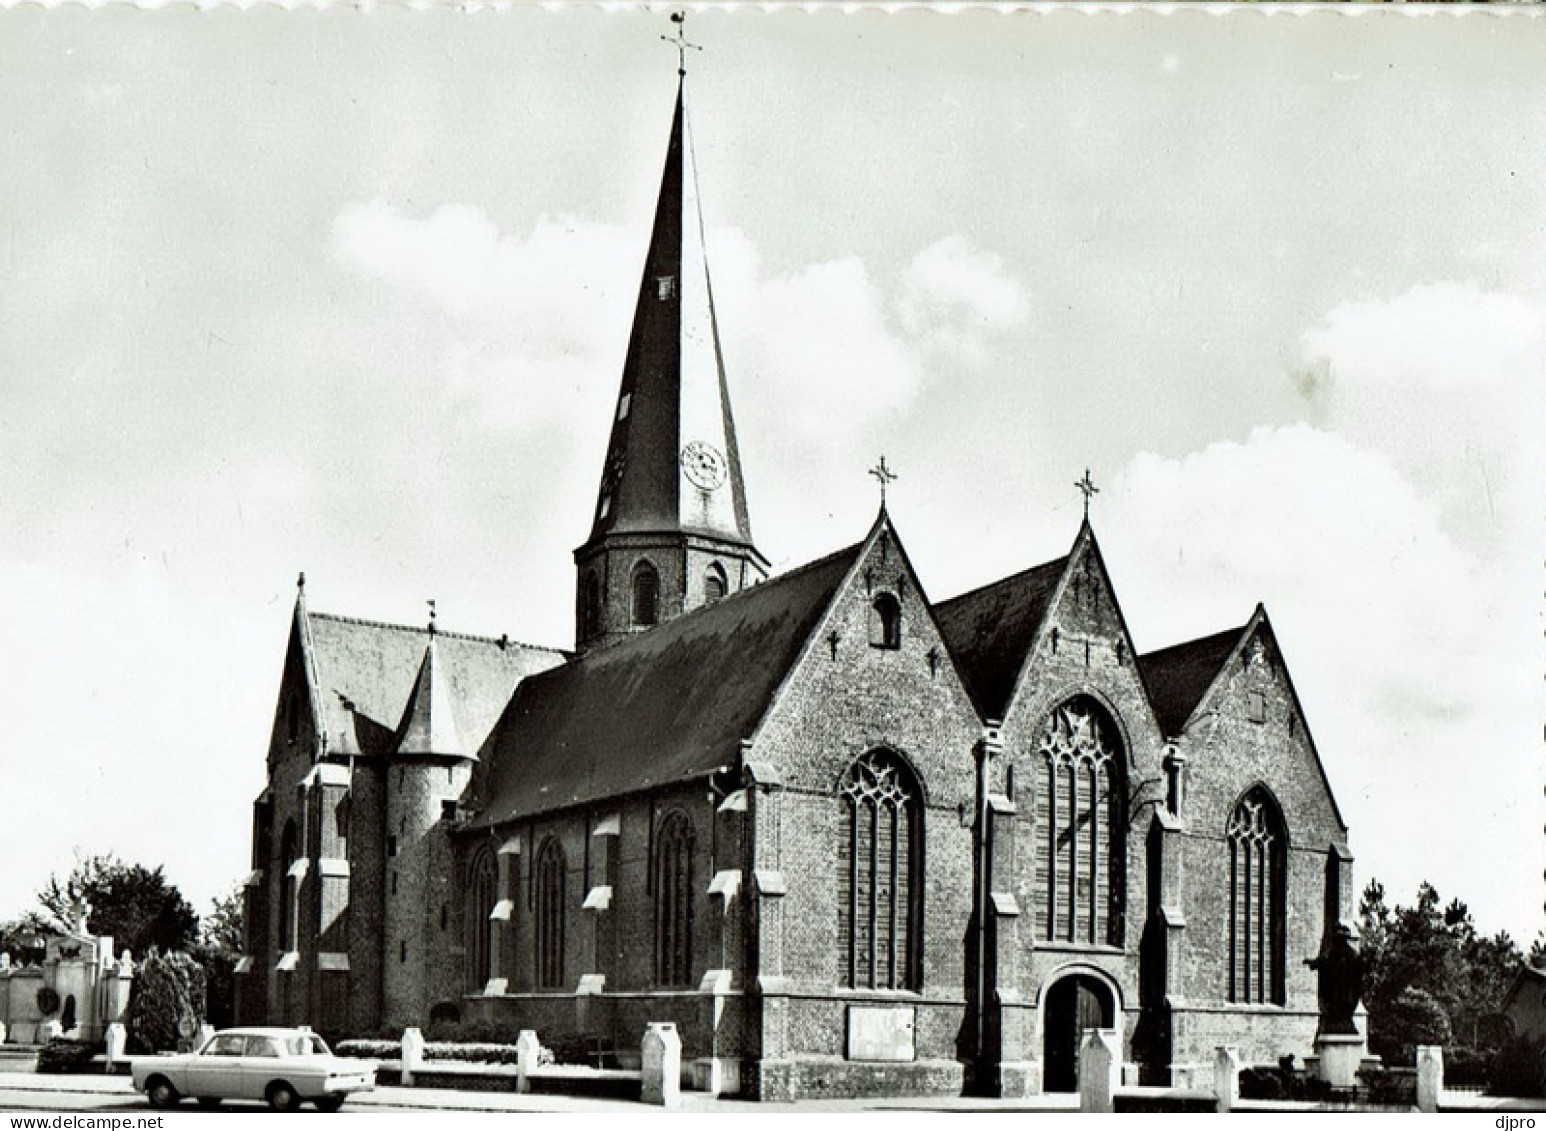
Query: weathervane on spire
(883, 475)
(1088, 489)
(680, 42)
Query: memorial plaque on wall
(880, 1032)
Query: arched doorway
(1074, 1003)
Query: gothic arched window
(880, 880)
(1081, 842)
(548, 914)
(1258, 852)
(646, 595)
(481, 891)
(590, 605)
(289, 892)
(673, 901)
(714, 584)
(886, 622)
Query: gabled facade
(848, 839)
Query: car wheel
(330, 1103)
(282, 1097)
(161, 1093)
(209, 1102)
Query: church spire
(671, 497)
(672, 461)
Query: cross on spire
(883, 475)
(1088, 489)
(680, 42)
(431, 604)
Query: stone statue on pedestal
(1340, 983)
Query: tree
(1425, 963)
(134, 905)
(218, 949)
(166, 1004)
(21, 938)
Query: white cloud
(957, 298)
(1388, 627)
(1438, 335)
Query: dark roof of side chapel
(665, 705)
(1179, 676)
(366, 672)
(990, 630)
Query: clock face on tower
(703, 465)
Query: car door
(260, 1066)
(217, 1069)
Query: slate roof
(666, 705)
(990, 630)
(375, 667)
(1179, 676)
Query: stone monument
(1340, 1049)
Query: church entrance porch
(1074, 1003)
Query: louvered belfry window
(480, 932)
(1257, 852)
(548, 915)
(1080, 857)
(879, 878)
(673, 902)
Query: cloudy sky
(349, 292)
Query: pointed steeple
(428, 727)
(672, 462)
(671, 481)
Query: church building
(850, 839)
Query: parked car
(286, 1067)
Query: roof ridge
(440, 632)
(1062, 561)
(1209, 638)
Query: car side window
(226, 1045)
(262, 1046)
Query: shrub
(1466, 1067)
(61, 1057)
(1520, 1069)
(368, 1049)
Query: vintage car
(286, 1067)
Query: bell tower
(670, 530)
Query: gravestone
(661, 1053)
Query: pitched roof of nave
(367, 672)
(665, 705)
(990, 630)
(1179, 676)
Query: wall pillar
(1100, 1070)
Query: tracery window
(548, 914)
(481, 890)
(1080, 822)
(1258, 850)
(646, 595)
(673, 901)
(879, 875)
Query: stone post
(117, 1042)
(1430, 1076)
(412, 1055)
(2, 1032)
(661, 1054)
(528, 1050)
(1100, 1067)
(1226, 1077)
